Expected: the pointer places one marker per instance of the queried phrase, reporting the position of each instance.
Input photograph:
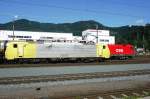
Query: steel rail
(46, 78)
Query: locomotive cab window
(104, 46)
(131, 47)
(15, 45)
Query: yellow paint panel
(22, 50)
(10, 52)
(98, 50)
(106, 52)
(30, 50)
(102, 51)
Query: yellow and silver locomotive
(23, 50)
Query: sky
(108, 12)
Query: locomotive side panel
(64, 50)
(129, 50)
(121, 50)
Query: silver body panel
(65, 50)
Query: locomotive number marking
(119, 50)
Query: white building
(28, 35)
(77, 38)
(94, 32)
(89, 35)
(104, 37)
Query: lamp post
(15, 17)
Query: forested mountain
(136, 35)
(26, 25)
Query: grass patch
(131, 97)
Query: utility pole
(143, 43)
(97, 34)
(13, 29)
(15, 17)
(143, 39)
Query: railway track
(136, 93)
(131, 93)
(46, 78)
